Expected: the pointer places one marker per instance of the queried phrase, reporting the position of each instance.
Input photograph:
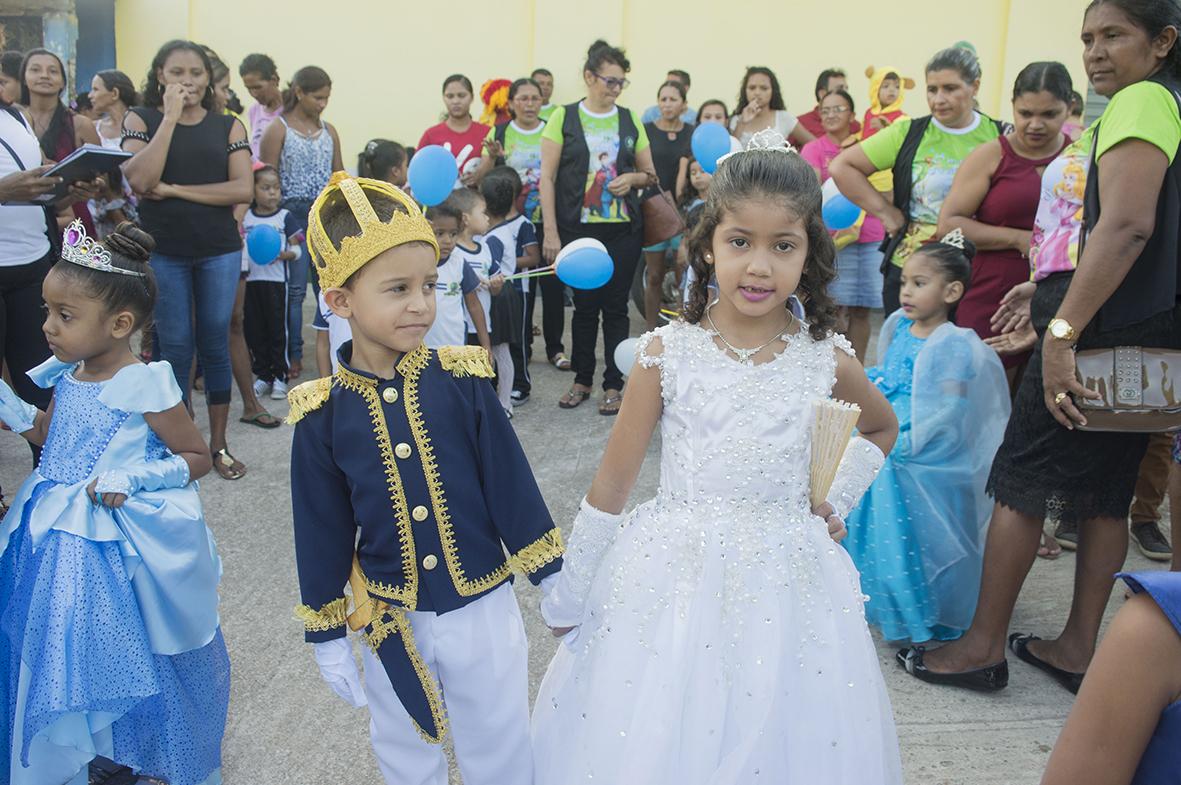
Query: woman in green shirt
(944, 139)
(594, 157)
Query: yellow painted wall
(388, 59)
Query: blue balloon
(432, 174)
(264, 243)
(586, 268)
(710, 142)
(839, 213)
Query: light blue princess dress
(110, 637)
(917, 536)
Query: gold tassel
(307, 397)
(465, 361)
(332, 615)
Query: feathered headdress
(494, 94)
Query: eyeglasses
(614, 84)
(834, 110)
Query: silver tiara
(80, 249)
(954, 238)
(766, 139)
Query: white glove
(14, 412)
(565, 600)
(339, 670)
(859, 466)
(170, 472)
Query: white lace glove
(594, 531)
(339, 670)
(14, 412)
(170, 472)
(859, 466)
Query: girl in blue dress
(109, 634)
(917, 537)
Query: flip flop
(573, 398)
(1049, 549)
(1019, 644)
(611, 403)
(226, 465)
(560, 361)
(257, 419)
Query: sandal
(612, 401)
(560, 361)
(263, 419)
(1050, 548)
(229, 467)
(573, 398)
(1020, 646)
(295, 370)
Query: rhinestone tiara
(954, 238)
(766, 139)
(80, 249)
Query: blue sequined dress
(110, 634)
(917, 536)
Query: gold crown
(334, 267)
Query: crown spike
(954, 238)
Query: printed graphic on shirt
(1059, 221)
(599, 205)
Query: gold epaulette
(307, 397)
(465, 361)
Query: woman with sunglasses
(594, 158)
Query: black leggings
(624, 244)
(20, 328)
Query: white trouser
(480, 657)
(503, 356)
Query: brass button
(431, 561)
(419, 513)
(402, 451)
(389, 395)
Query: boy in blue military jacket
(409, 484)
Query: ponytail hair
(308, 79)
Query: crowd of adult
(1068, 259)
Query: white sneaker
(279, 391)
(261, 388)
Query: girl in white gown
(715, 635)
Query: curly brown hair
(785, 179)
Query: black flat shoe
(1019, 644)
(988, 679)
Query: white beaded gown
(724, 640)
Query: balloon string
(532, 273)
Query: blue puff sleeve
(140, 388)
(46, 374)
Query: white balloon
(578, 245)
(829, 190)
(625, 355)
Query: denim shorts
(667, 245)
(859, 279)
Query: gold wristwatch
(1061, 329)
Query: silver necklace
(745, 355)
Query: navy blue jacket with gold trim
(427, 467)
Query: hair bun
(969, 249)
(132, 242)
(596, 46)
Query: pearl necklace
(745, 356)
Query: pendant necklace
(745, 355)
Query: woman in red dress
(995, 195)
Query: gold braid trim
(430, 470)
(538, 553)
(407, 593)
(334, 614)
(391, 620)
(465, 361)
(307, 397)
